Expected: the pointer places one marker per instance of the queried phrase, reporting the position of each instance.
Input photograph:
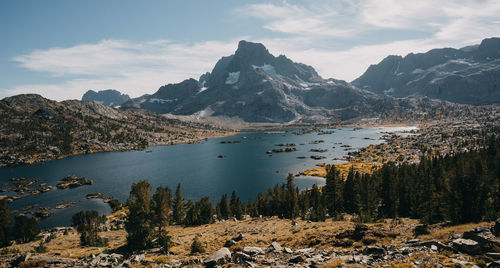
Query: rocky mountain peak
(488, 49)
(249, 54)
(108, 97)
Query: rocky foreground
(272, 242)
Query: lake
(246, 168)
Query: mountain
(109, 97)
(34, 129)
(256, 86)
(470, 75)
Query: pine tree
(368, 201)
(262, 204)
(25, 229)
(223, 209)
(178, 206)
(206, 211)
(192, 214)
(292, 207)
(162, 207)
(252, 209)
(87, 224)
(164, 241)
(139, 226)
(5, 222)
(236, 206)
(388, 193)
(349, 195)
(304, 204)
(318, 211)
(333, 191)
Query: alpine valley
(398, 168)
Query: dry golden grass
(334, 263)
(68, 245)
(444, 233)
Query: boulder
(240, 257)
(275, 247)
(317, 259)
(432, 243)
(363, 259)
(229, 243)
(374, 251)
(219, 257)
(467, 246)
(238, 238)
(253, 251)
(480, 237)
(138, 258)
(306, 251)
(297, 259)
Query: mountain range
(255, 86)
(469, 75)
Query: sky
(60, 49)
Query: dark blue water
(247, 169)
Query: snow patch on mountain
(269, 69)
(417, 71)
(305, 84)
(161, 101)
(233, 78)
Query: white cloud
(134, 68)
(319, 20)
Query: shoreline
(236, 131)
(359, 162)
(191, 141)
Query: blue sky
(60, 49)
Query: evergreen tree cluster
(461, 188)
(88, 224)
(20, 228)
(148, 215)
(230, 209)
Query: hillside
(469, 75)
(34, 129)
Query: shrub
(196, 246)
(41, 248)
